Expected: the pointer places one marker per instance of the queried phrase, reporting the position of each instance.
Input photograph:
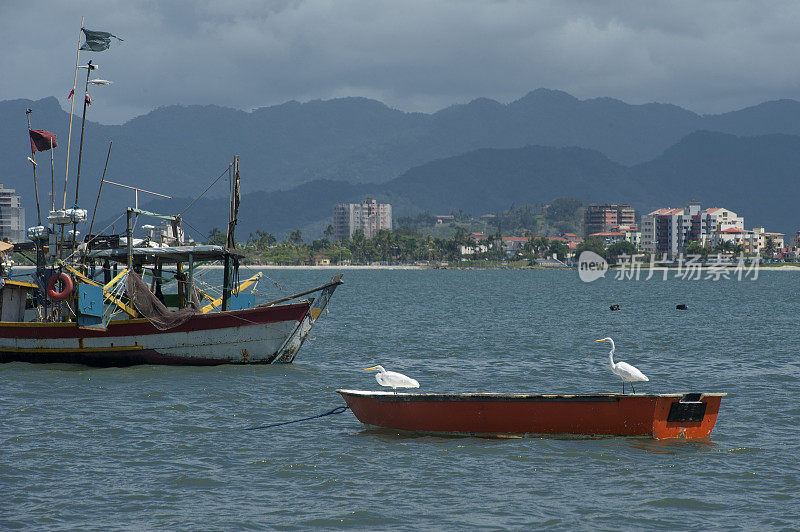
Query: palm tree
(769, 247)
(296, 237)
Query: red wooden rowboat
(661, 416)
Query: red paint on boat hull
(141, 326)
(137, 341)
(602, 414)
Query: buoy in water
(614, 307)
(681, 306)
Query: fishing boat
(88, 301)
(660, 416)
(81, 309)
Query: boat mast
(231, 270)
(89, 67)
(33, 163)
(72, 111)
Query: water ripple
(154, 447)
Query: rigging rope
(206, 190)
(337, 410)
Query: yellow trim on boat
(113, 281)
(128, 309)
(245, 284)
(21, 283)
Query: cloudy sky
(710, 56)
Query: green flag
(97, 41)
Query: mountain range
(753, 176)
(297, 159)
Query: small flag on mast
(40, 140)
(97, 41)
(70, 94)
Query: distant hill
(753, 176)
(756, 177)
(178, 150)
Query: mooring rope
(337, 410)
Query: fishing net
(154, 310)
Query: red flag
(40, 140)
(70, 94)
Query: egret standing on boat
(625, 371)
(393, 379)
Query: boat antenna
(136, 189)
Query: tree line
(400, 246)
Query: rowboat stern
(691, 416)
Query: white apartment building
(369, 216)
(12, 216)
(753, 241)
(668, 231)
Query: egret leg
(634, 389)
(623, 387)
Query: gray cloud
(414, 55)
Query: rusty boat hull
(660, 416)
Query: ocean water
(165, 447)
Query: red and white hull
(252, 336)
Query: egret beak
(373, 367)
(600, 340)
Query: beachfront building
(473, 249)
(748, 240)
(609, 237)
(570, 239)
(777, 239)
(752, 241)
(605, 218)
(12, 215)
(668, 231)
(630, 233)
(478, 245)
(514, 244)
(369, 216)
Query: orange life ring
(66, 280)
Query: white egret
(393, 379)
(625, 371)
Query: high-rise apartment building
(607, 217)
(12, 215)
(668, 231)
(369, 216)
